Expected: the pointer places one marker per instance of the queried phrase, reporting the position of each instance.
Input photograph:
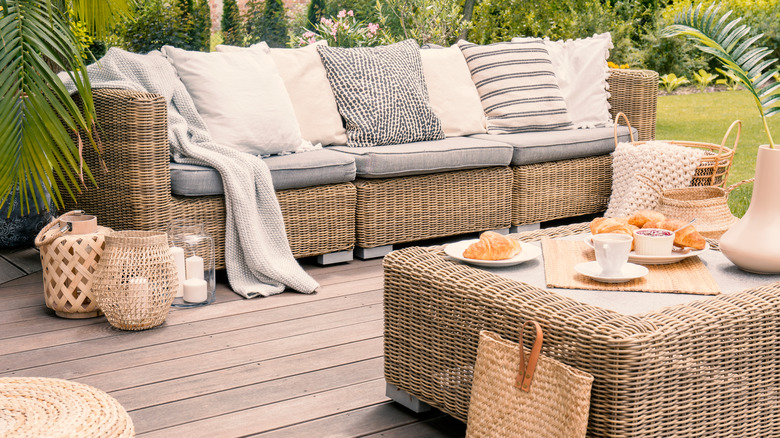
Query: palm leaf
(37, 149)
(730, 43)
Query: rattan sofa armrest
(135, 190)
(635, 93)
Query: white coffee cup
(612, 252)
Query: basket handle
(526, 373)
(722, 150)
(652, 184)
(630, 131)
(734, 186)
(44, 238)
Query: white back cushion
(241, 97)
(452, 93)
(307, 85)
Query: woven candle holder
(71, 247)
(136, 279)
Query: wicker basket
(708, 205)
(713, 170)
(136, 279)
(71, 246)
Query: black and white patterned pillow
(517, 86)
(381, 94)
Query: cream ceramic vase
(753, 243)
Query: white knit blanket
(670, 166)
(257, 254)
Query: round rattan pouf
(44, 407)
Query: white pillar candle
(178, 260)
(195, 290)
(194, 267)
(138, 293)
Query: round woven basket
(33, 407)
(708, 205)
(713, 168)
(136, 279)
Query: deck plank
(288, 365)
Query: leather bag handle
(526, 373)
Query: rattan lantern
(136, 279)
(71, 247)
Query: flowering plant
(344, 30)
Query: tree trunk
(468, 11)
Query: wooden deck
(290, 365)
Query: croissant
(492, 246)
(687, 237)
(602, 225)
(640, 218)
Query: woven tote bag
(509, 398)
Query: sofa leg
(502, 231)
(407, 400)
(373, 253)
(526, 227)
(334, 257)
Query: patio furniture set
(366, 199)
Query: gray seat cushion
(287, 172)
(454, 153)
(540, 147)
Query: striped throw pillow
(517, 86)
(381, 94)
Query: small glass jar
(192, 249)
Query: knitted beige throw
(670, 166)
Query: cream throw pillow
(581, 69)
(452, 93)
(309, 90)
(241, 98)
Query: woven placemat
(688, 276)
(44, 407)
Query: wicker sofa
(368, 212)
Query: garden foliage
(181, 23)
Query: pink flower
(342, 13)
(327, 21)
(373, 28)
(350, 13)
(308, 34)
(312, 40)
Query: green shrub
(671, 82)
(315, 11)
(185, 24)
(274, 24)
(233, 32)
(427, 21)
(500, 20)
(703, 79)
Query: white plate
(593, 270)
(676, 255)
(529, 252)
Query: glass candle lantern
(193, 253)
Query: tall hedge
(233, 33)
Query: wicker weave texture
(136, 280)
(553, 190)
(707, 368)
(395, 210)
(135, 193)
(635, 93)
(32, 407)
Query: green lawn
(705, 117)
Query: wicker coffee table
(707, 368)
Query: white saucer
(593, 270)
(455, 250)
(676, 255)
